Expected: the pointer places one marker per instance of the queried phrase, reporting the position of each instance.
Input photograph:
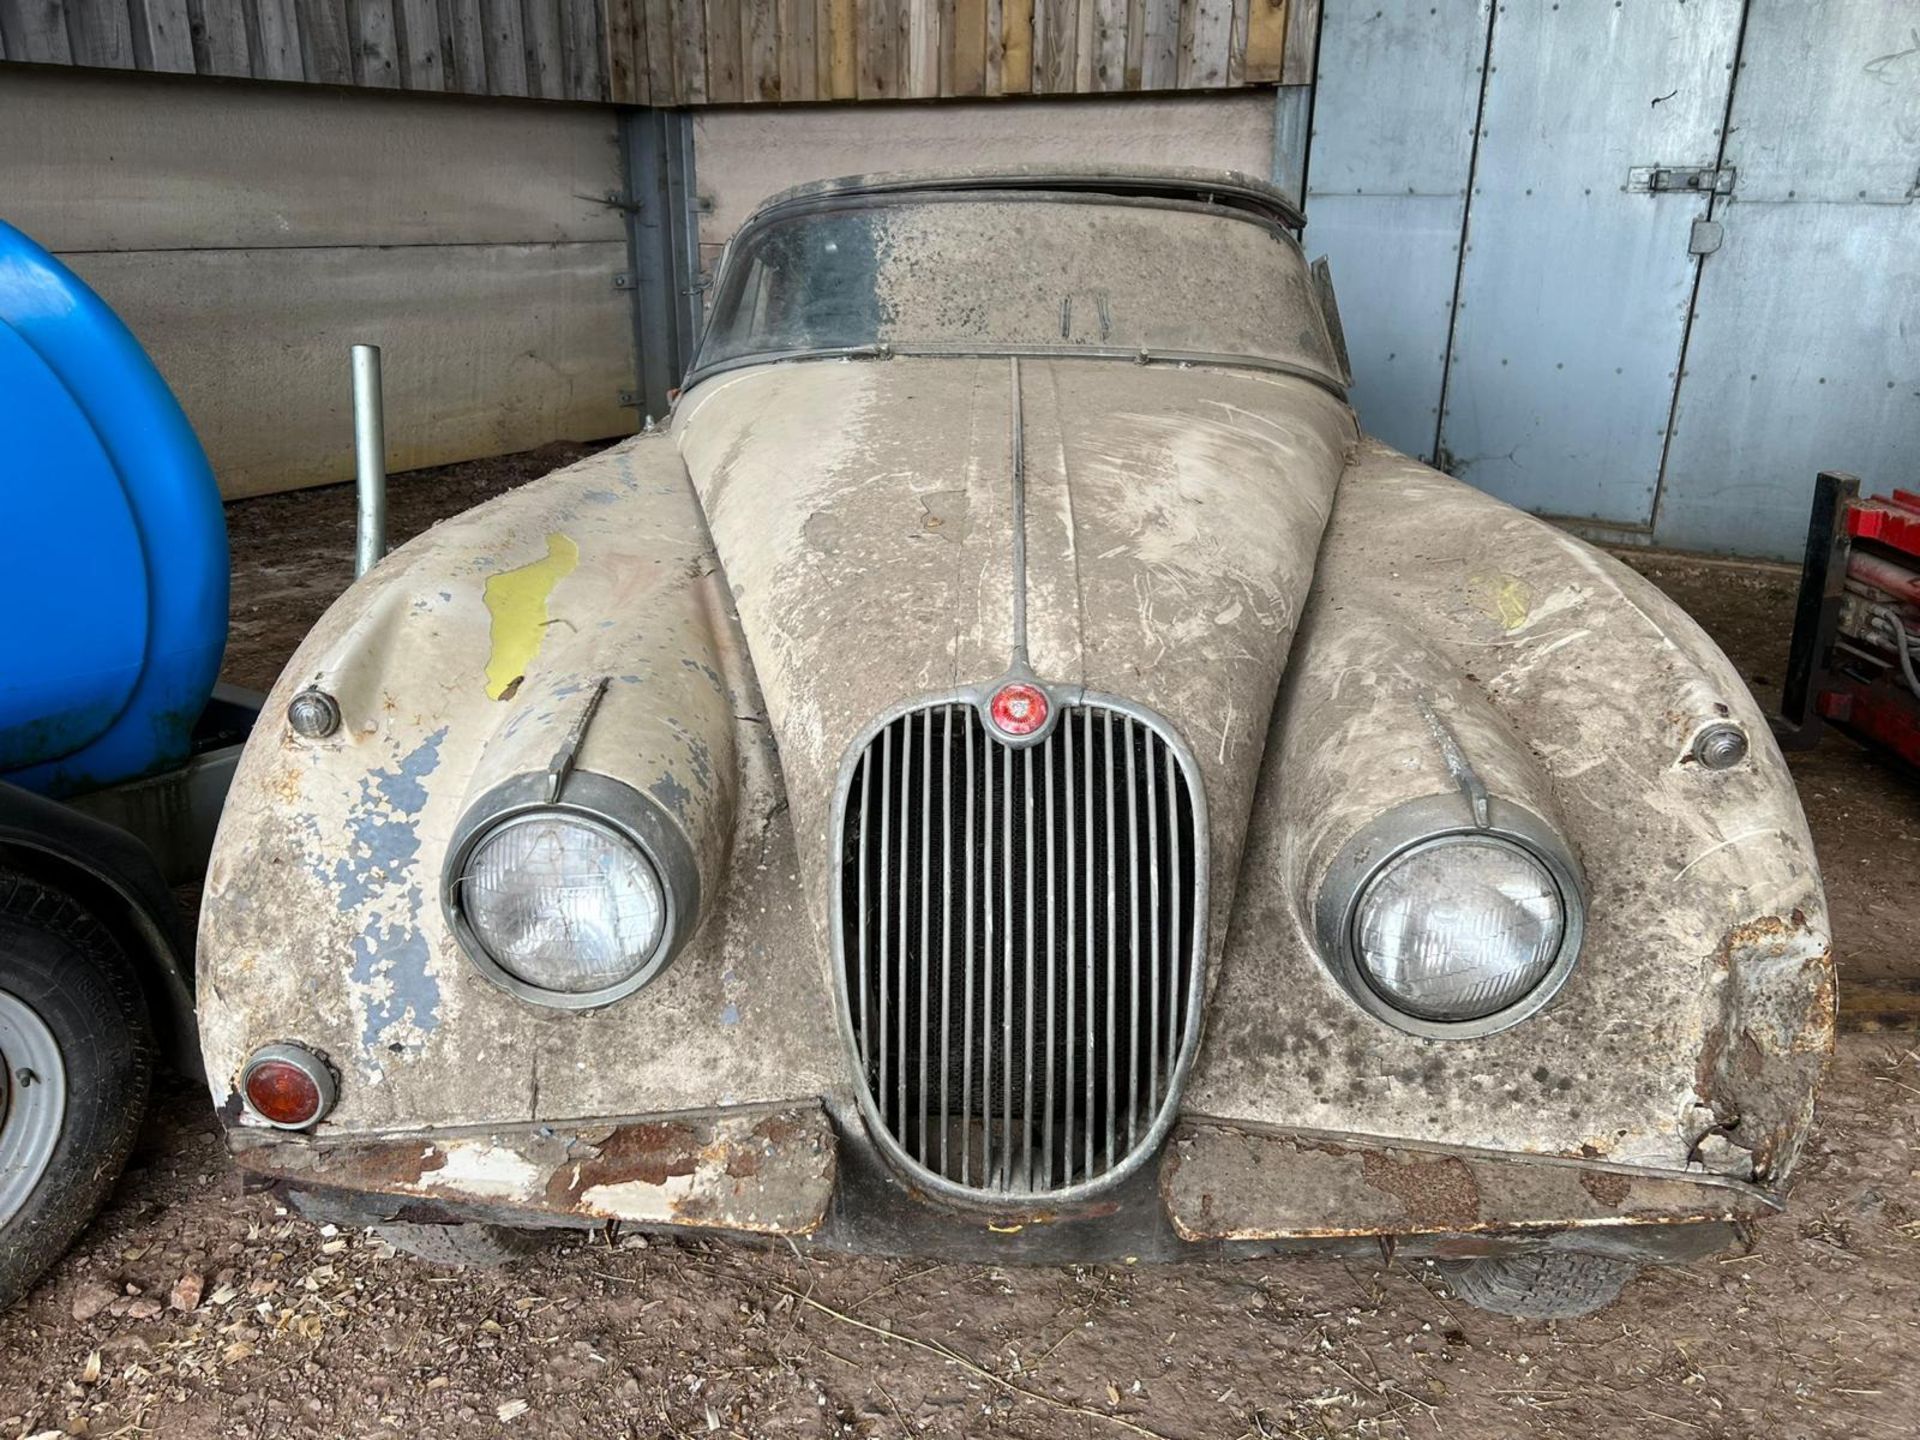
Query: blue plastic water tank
(113, 543)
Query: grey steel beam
(664, 246)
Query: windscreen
(1019, 273)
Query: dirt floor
(193, 1310)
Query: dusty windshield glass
(1022, 273)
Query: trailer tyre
(1541, 1285)
(76, 1059)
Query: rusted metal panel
(1222, 1183)
(769, 1172)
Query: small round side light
(1720, 746)
(288, 1087)
(313, 714)
(1018, 709)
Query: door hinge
(1684, 179)
(1705, 238)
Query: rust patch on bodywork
(760, 1172)
(1219, 1182)
(1609, 1187)
(1439, 1194)
(1758, 1070)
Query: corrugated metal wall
(1531, 308)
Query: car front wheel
(1540, 1285)
(461, 1247)
(76, 1058)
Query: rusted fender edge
(765, 1172)
(1219, 1182)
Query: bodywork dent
(1758, 1070)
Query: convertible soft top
(1217, 187)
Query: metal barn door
(1805, 349)
(1599, 144)
(1395, 112)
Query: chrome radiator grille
(1018, 931)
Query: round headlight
(1459, 928)
(1449, 920)
(563, 903)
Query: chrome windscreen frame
(1414, 825)
(701, 368)
(1061, 698)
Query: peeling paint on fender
(517, 601)
(397, 994)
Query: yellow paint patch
(1507, 598)
(517, 601)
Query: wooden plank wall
(746, 52)
(688, 52)
(541, 49)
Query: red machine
(1855, 661)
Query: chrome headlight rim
(598, 802)
(1439, 820)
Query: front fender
(464, 660)
(1694, 1027)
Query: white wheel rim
(33, 1102)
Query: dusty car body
(1098, 804)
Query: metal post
(369, 459)
(1823, 580)
(664, 251)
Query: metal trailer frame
(1829, 683)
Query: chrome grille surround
(1032, 1044)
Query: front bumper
(761, 1171)
(1219, 1189)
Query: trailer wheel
(1541, 1285)
(76, 1058)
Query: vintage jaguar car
(1009, 770)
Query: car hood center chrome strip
(1016, 421)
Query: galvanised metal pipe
(369, 460)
